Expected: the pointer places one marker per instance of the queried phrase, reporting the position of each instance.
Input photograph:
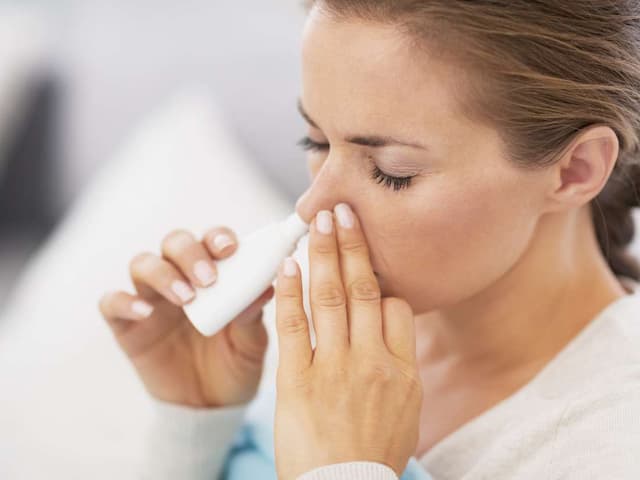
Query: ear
(583, 170)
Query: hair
(543, 70)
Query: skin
(490, 257)
(174, 361)
(483, 271)
(329, 399)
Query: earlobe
(584, 169)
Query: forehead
(364, 75)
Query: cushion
(70, 397)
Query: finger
(121, 308)
(251, 314)
(221, 242)
(399, 328)
(190, 256)
(360, 283)
(294, 343)
(156, 277)
(248, 333)
(326, 292)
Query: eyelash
(397, 183)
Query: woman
(477, 312)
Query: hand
(175, 362)
(357, 395)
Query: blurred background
(77, 75)
(120, 121)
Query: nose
(302, 207)
(327, 189)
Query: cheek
(454, 242)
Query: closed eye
(378, 176)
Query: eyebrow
(374, 141)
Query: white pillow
(72, 406)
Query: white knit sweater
(578, 419)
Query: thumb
(247, 329)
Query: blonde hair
(543, 70)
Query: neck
(557, 287)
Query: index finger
(361, 285)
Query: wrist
(359, 469)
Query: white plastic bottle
(244, 275)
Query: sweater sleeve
(351, 471)
(185, 442)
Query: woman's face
(378, 108)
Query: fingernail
(290, 268)
(204, 272)
(222, 241)
(345, 215)
(324, 221)
(182, 290)
(141, 308)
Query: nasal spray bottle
(245, 275)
